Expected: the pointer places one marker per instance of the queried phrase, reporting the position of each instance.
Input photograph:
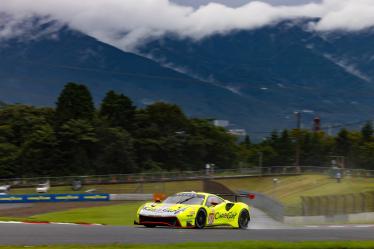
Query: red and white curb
(52, 223)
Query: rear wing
(236, 196)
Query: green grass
(288, 191)
(289, 188)
(223, 245)
(122, 214)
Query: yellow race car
(195, 210)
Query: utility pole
(297, 153)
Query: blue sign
(53, 198)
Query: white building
(221, 123)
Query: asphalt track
(27, 234)
(263, 228)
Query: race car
(195, 210)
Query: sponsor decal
(229, 215)
(38, 198)
(53, 198)
(67, 197)
(164, 210)
(11, 198)
(151, 210)
(96, 197)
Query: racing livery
(194, 209)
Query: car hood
(164, 210)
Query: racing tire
(243, 219)
(200, 219)
(150, 226)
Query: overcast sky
(128, 23)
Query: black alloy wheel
(200, 219)
(244, 219)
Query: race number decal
(211, 218)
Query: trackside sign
(53, 198)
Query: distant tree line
(352, 149)
(75, 138)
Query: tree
(74, 102)
(342, 143)
(8, 160)
(17, 122)
(76, 145)
(367, 132)
(37, 155)
(165, 118)
(247, 142)
(118, 110)
(116, 152)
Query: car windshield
(185, 198)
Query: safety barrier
(131, 197)
(337, 204)
(270, 206)
(53, 198)
(181, 176)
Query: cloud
(128, 23)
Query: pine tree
(118, 110)
(74, 102)
(247, 142)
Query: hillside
(286, 66)
(34, 72)
(256, 79)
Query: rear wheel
(200, 219)
(243, 219)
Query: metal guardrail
(179, 176)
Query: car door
(215, 206)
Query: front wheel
(200, 219)
(243, 219)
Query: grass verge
(122, 214)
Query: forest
(116, 137)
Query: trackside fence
(181, 176)
(337, 204)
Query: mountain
(256, 79)
(286, 66)
(34, 72)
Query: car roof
(198, 193)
